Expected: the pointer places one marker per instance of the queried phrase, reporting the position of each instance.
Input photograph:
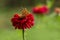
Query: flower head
(57, 10)
(41, 10)
(23, 21)
(35, 10)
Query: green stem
(23, 34)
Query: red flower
(35, 10)
(22, 22)
(41, 10)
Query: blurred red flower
(22, 22)
(35, 10)
(41, 10)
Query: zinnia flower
(23, 21)
(41, 10)
(57, 10)
(35, 10)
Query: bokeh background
(45, 28)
